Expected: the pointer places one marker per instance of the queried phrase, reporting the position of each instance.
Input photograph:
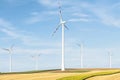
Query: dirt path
(107, 77)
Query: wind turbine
(61, 24)
(36, 57)
(9, 50)
(81, 54)
(110, 59)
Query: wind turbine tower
(9, 50)
(36, 57)
(110, 59)
(61, 24)
(81, 54)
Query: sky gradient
(29, 24)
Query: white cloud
(34, 13)
(6, 24)
(22, 36)
(80, 20)
(36, 17)
(10, 31)
(48, 3)
(87, 30)
(80, 15)
(7, 28)
(104, 14)
(33, 51)
(106, 17)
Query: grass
(73, 71)
(53, 71)
(28, 72)
(85, 76)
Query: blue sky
(29, 25)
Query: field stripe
(107, 77)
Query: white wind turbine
(61, 24)
(110, 59)
(9, 50)
(81, 54)
(36, 57)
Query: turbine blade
(60, 11)
(66, 27)
(56, 29)
(33, 56)
(39, 55)
(78, 44)
(60, 14)
(5, 49)
(11, 48)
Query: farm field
(53, 75)
(35, 76)
(42, 75)
(107, 77)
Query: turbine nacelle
(59, 25)
(9, 49)
(63, 22)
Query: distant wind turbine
(81, 54)
(9, 50)
(61, 24)
(36, 57)
(110, 59)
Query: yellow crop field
(107, 77)
(36, 76)
(93, 73)
(56, 75)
